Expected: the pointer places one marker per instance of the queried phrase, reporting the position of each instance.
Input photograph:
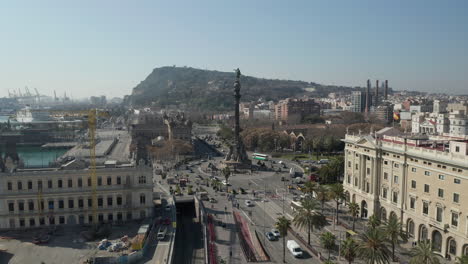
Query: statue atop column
(237, 155)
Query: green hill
(213, 90)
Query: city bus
(259, 156)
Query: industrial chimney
(386, 90)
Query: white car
(226, 183)
(248, 203)
(276, 232)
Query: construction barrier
(244, 238)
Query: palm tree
(423, 254)
(373, 222)
(394, 231)
(323, 195)
(309, 187)
(306, 217)
(372, 248)
(348, 249)
(353, 211)
(327, 240)
(226, 173)
(337, 194)
(462, 260)
(283, 224)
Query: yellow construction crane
(92, 116)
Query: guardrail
(174, 233)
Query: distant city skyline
(91, 48)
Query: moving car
(324, 161)
(270, 236)
(224, 182)
(294, 248)
(161, 233)
(276, 232)
(248, 203)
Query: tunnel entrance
(188, 247)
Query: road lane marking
(254, 182)
(250, 220)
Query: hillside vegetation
(213, 90)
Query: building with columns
(419, 178)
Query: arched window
(452, 246)
(364, 209)
(422, 233)
(410, 228)
(436, 241)
(383, 214)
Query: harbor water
(38, 157)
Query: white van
(161, 233)
(294, 248)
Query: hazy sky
(94, 47)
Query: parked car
(213, 200)
(248, 203)
(226, 183)
(276, 232)
(270, 236)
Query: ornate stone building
(419, 178)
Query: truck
(294, 248)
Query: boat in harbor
(29, 115)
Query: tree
(373, 222)
(353, 211)
(226, 173)
(306, 217)
(394, 231)
(283, 224)
(318, 146)
(348, 249)
(372, 248)
(462, 260)
(337, 194)
(327, 240)
(323, 195)
(423, 253)
(309, 187)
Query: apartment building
(58, 197)
(419, 178)
(293, 110)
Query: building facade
(31, 199)
(358, 101)
(419, 179)
(289, 109)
